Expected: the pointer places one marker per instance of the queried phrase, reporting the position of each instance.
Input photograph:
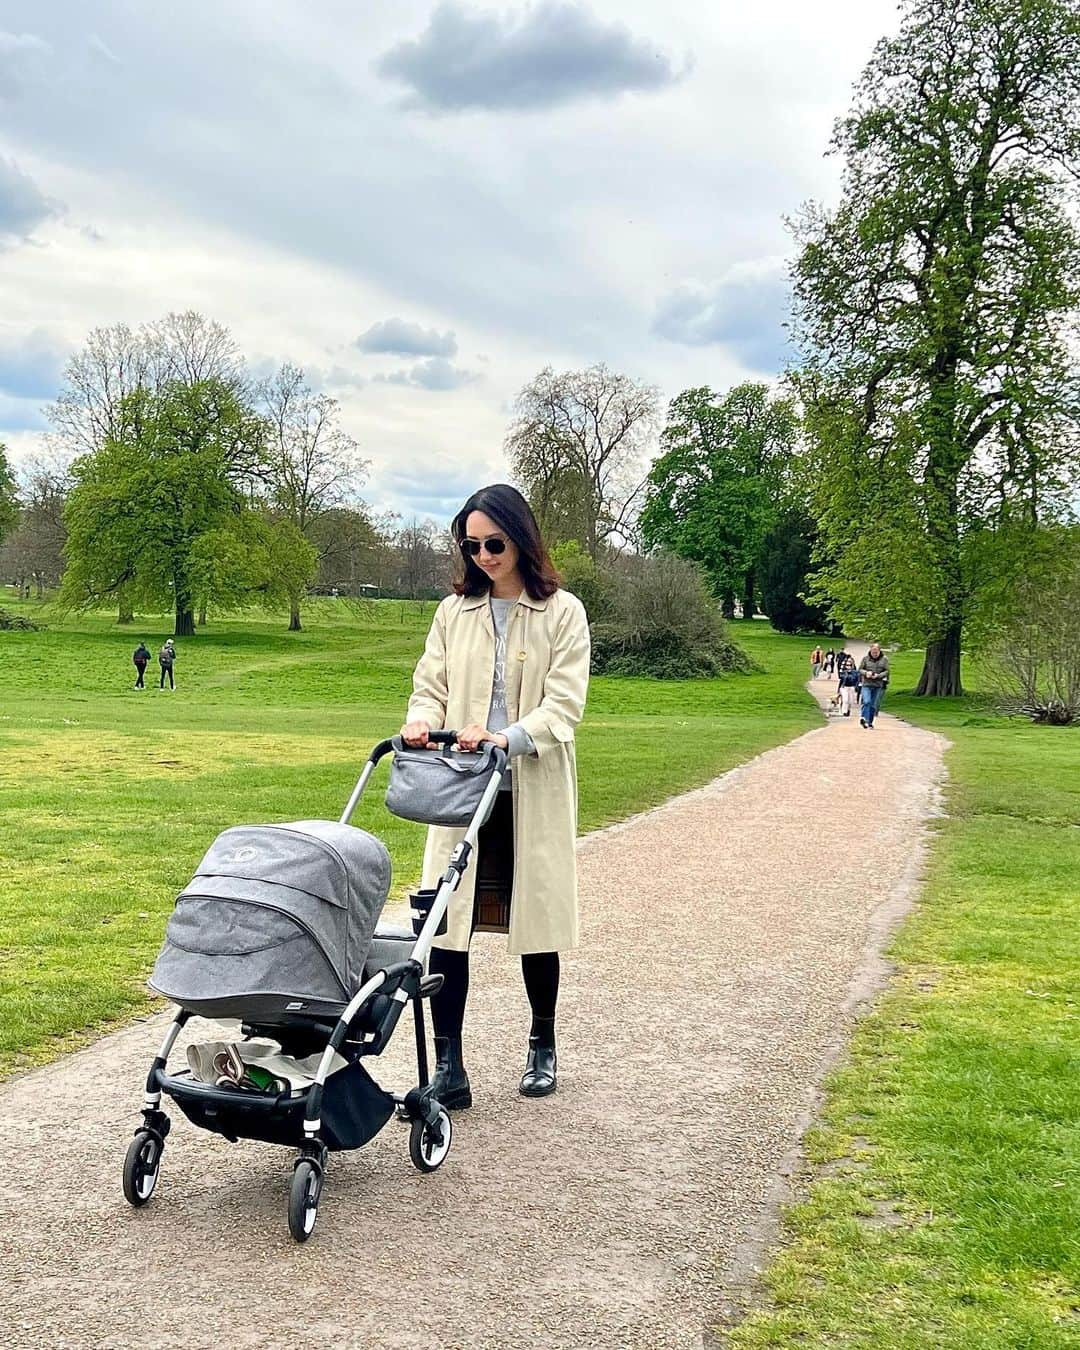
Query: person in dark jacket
(141, 657)
(847, 682)
(166, 658)
(874, 676)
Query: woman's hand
(417, 733)
(474, 735)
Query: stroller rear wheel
(141, 1167)
(429, 1144)
(304, 1195)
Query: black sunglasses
(494, 545)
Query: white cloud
(23, 206)
(435, 373)
(550, 53)
(744, 310)
(400, 338)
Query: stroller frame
(362, 1028)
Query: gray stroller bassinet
(277, 920)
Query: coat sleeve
(565, 685)
(428, 701)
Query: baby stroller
(279, 929)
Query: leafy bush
(17, 623)
(663, 622)
(593, 585)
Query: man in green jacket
(874, 674)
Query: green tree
(142, 507)
(96, 403)
(592, 584)
(785, 570)
(933, 308)
(254, 558)
(9, 500)
(714, 491)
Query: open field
(108, 796)
(945, 1209)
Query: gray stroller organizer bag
(438, 787)
(278, 919)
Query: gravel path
(727, 937)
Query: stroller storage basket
(354, 1110)
(438, 787)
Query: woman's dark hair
(513, 515)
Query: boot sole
(538, 1092)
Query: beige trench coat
(547, 676)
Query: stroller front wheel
(429, 1144)
(142, 1165)
(304, 1198)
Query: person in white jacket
(507, 661)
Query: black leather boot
(538, 1080)
(450, 1081)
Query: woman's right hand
(417, 734)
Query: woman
(507, 661)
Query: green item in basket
(263, 1079)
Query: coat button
(521, 656)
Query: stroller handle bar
(387, 747)
(460, 856)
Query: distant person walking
(166, 658)
(847, 674)
(830, 662)
(141, 657)
(874, 676)
(816, 658)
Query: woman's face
(493, 565)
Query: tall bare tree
(94, 404)
(312, 465)
(34, 552)
(423, 554)
(579, 447)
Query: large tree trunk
(185, 620)
(941, 668)
(727, 605)
(202, 616)
(294, 616)
(125, 615)
(749, 609)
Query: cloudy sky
(421, 203)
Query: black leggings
(540, 970)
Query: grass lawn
(945, 1205)
(109, 797)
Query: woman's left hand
(474, 735)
